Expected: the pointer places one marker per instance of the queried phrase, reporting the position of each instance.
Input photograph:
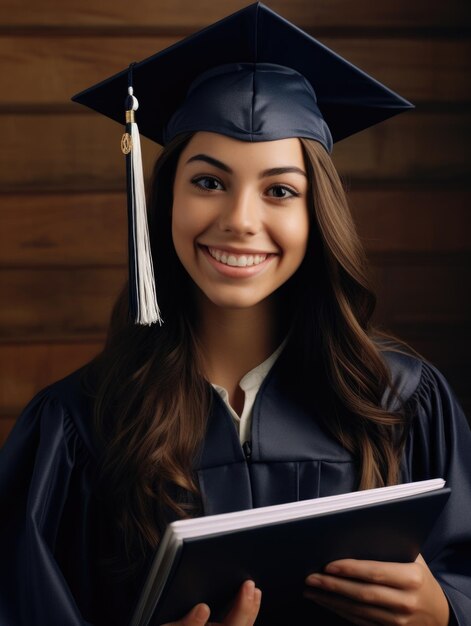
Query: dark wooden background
(62, 206)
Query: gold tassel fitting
(126, 143)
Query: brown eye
(206, 183)
(282, 192)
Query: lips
(236, 260)
(237, 265)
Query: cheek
(293, 233)
(181, 233)
(186, 225)
(191, 216)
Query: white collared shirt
(250, 384)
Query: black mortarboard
(253, 76)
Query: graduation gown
(53, 528)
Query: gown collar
(284, 432)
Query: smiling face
(240, 220)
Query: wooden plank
(60, 151)
(185, 13)
(415, 146)
(50, 70)
(38, 72)
(89, 229)
(63, 229)
(447, 348)
(421, 70)
(413, 220)
(437, 293)
(28, 368)
(58, 304)
(81, 152)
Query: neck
(234, 341)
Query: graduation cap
(253, 76)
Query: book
(206, 559)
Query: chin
(234, 300)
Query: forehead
(234, 152)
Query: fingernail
(201, 612)
(314, 579)
(332, 569)
(249, 589)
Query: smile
(237, 265)
(236, 260)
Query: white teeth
(237, 260)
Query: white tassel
(145, 299)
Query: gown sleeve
(440, 446)
(45, 520)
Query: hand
(372, 592)
(244, 611)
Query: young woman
(266, 384)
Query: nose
(241, 214)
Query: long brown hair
(152, 400)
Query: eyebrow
(273, 171)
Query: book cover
(207, 559)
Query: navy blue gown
(55, 530)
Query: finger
(358, 613)
(246, 606)
(359, 591)
(398, 575)
(198, 616)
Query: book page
(251, 518)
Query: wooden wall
(62, 207)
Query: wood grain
(186, 14)
(57, 304)
(58, 229)
(81, 152)
(28, 368)
(62, 151)
(413, 221)
(47, 71)
(434, 294)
